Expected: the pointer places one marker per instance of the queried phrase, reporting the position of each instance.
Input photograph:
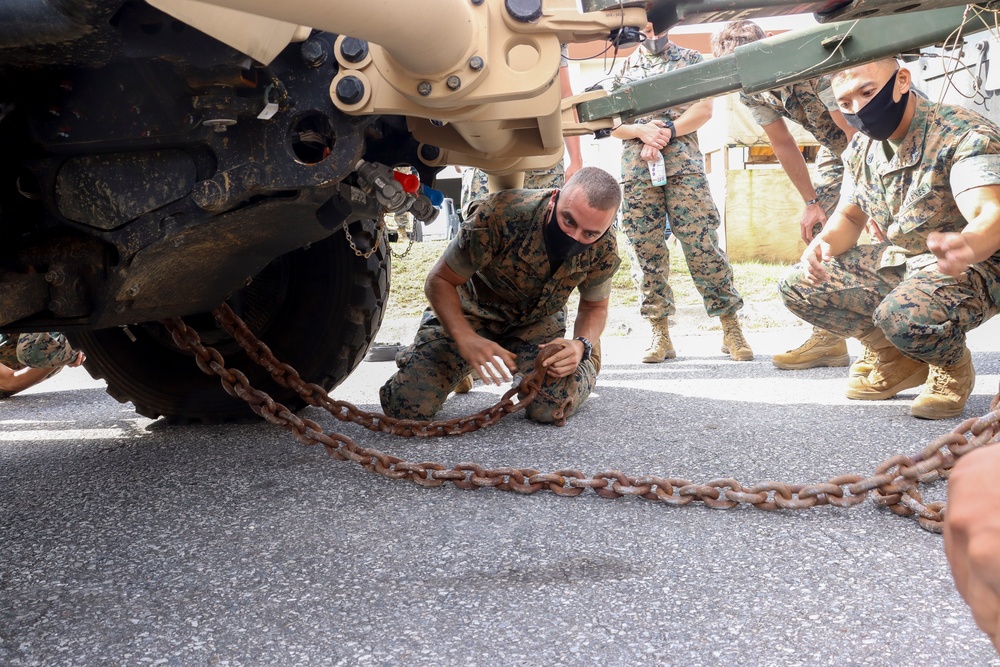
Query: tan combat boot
(893, 372)
(946, 390)
(660, 348)
(465, 384)
(822, 349)
(864, 364)
(733, 342)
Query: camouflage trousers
(35, 350)
(475, 185)
(923, 312)
(687, 202)
(431, 368)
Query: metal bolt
(524, 11)
(55, 277)
(424, 88)
(350, 90)
(353, 49)
(133, 291)
(477, 2)
(430, 153)
(314, 52)
(454, 82)
(476, 63)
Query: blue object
(436, 196)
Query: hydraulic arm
(770, 63)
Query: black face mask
(881, 116)
(558, 244)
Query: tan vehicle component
(476, 78)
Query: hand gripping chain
(894, 484)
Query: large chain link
(894, 484)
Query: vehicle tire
(417, 234)
(318, 309)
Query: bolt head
(350, 90)
(430, 153)
(454, 83)
(353, 49)
(476, 63)
(424, 88)
(314, 52)
(524, 11)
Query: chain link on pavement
(895, 484)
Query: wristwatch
(588, 347)
(670, 125)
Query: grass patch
(756, 281)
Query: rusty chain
(894, 484)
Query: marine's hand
(952, 250)
(972, 536)
(565, 361)
(78, 360)
(654, 135)
(812, 216)
(492, 363)
(812, 260)
(648, 153)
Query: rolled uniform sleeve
(598, 292)
(977, 164)
(761, 113)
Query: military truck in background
(162, 157)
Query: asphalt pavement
(125, 541)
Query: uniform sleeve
(761, 114)
(977, 163)
(596, 292)
(597, 286)
(476, 243)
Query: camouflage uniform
(808, 103)
(896, 286)
(511, 299)
(686, 200)
(35, 350)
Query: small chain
(403, 254)
(378, 239)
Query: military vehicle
(164, 156)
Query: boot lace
(870, 356)
(733, 336)
(939, 380)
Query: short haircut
(735, 33)
(888, 64)
(601, 188)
